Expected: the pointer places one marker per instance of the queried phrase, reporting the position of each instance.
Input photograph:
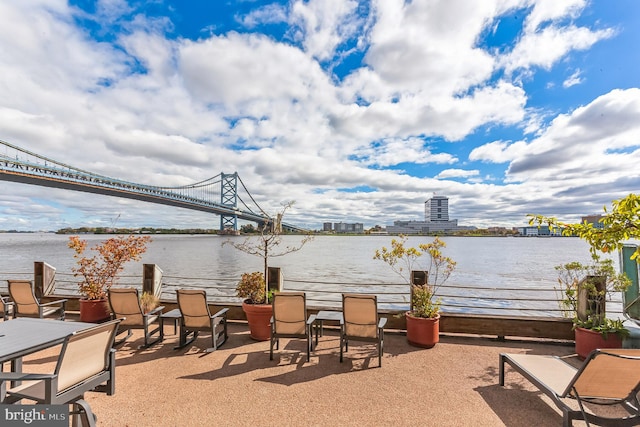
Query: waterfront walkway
(452, 384)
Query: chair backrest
(85, 354)
(25, 301)
(360, 313)
(194, 308)
(609, 374)
(125, 303)
(290, 313)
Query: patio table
(175, 316)
(335, 316)
(23, 336)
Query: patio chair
(86, 363)
(25, 303)
(289, 320)
(125, 305)
(196, 317)
(7, 307)
(360, 322)
(606, 377)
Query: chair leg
(121, 341)
(271, 341)
(225, 331)
(215, 334)
(83, 411)
(380, 347)
(149, 334)
(183, 340)
(501, 370)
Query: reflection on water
(489, 270)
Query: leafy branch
(269, 243)
(620, 223)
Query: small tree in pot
(253, 287)
(423, 319)
(100, 271)
(620, 223)
(584, 290)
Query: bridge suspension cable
(217, 194)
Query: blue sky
(357, 110)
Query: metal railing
(458, 299)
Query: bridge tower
(229, 197)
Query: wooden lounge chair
(125, 305)
(6, 305)
(86, 363)
(361, 322)
(27, 305)
(606, 377)
(289, 320)
(196, 317)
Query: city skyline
(356, 110)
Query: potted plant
(423, 317)
(148, 301)
(256, 300)
(99, 271)
(584, 290)
(617, 225)
(253, 287)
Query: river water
(497, 275)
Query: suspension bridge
(217, 195)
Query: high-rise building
(436, 220)
(436, 209)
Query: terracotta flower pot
(94, 311)
(588, 340)
(259, 318)
(422, 332)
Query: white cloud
(429, 47)
(498, 151)
(324, 25)
(595, 145)
(552, 11)
(395, 151)
(573, 79)
(458, 173)
(268, 14)
(246, 69)
(543, 49)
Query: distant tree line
(143, 230)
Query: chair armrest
(60, 301)
(221, 312)
(155, 311)
(382, 322)
(21, 376)
(311, 320)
